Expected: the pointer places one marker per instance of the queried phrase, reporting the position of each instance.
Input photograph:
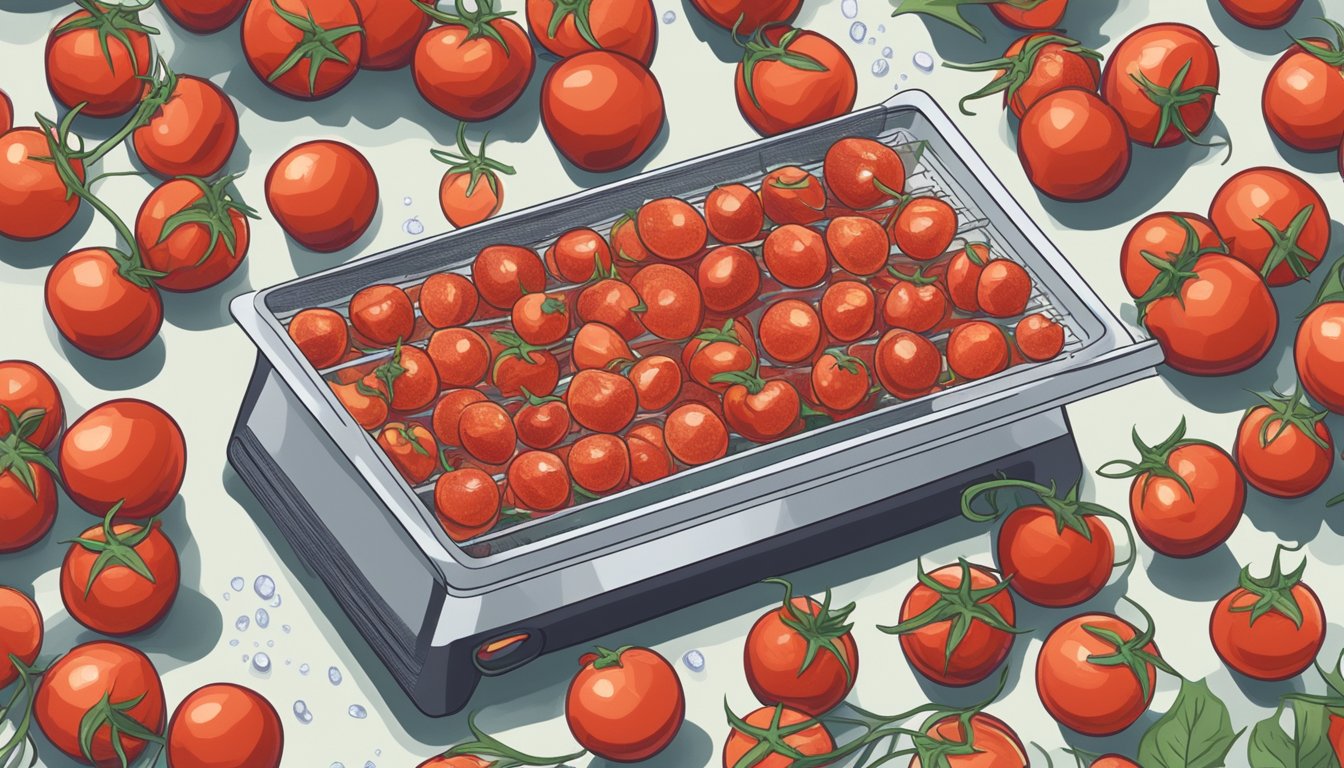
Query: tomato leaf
(1195, 733)
(1271, 747)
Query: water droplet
(377, 753)
(358, 712)
(241, 623)
(881, 27)
(405, 201)
(233, 643)
(857, 31)
(285, 628)
(850, 8)
(256, 643)
(412, 226)
(342, 765)
(923, 61)
(669, 17)
(270, 643)
(887, 52)
(881, 68)
(904, 76)
(694, 661)
(226, 596)
(245, 658)
(288, 662)
(303, 669)
(263, 618)
(265, 587)
(276, 602)
(237, 583)
(872, 41)
(334, 675)
(301, 712)
(261, 662)
(369, 764)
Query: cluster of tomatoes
(758, 314)
(123, 461)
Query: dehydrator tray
(440, 613)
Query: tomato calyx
(1015, 70)
(918, 278)
(845, 361)
(581, 11)
(605, 658)
(116, 549)
(535, 401)
(113, 716)
(162, 82)
(388, 373)
(212, 212)
(950, 11)
(759, 49)
(20, 742)
(476, 164)
(1333, 57)
(1285, 249)
(821, 630)
(16, 452)
(749, 379)
(1171, 99)
(961, 606)
(1273, 592)
(1130, 653)
(1173, 273)
(111, 21)
(724, 334)
(483, 745)
(514, 346)
(407, 432)
(1069, 512)
(629, 217)
(1154, 460)
(1332, 290)
(318, 45)
(479, 23)
(1289, 412)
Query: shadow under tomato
(1309, 162)
(692, 746)
(720, 40)
(41, 254)
(1125, 742)
(1288, 519)
(208, 309)
(1268, 41)
(117, 375)
(1084, 21)
(1197, 579)
(306, 261)
(1262, 693)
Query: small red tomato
(790, 330)
(20, 632)
(599, 463)
(578, 256)
(719, 350)
(223, 725)
(204, 16)
(734, 214)
(1073, 146)
(907, 364)
(601, 110)
(1284, 447)
(839, 381)
(729, 279)
(802, 654)
(1039, 338)
(1254, 202)
(1217, 317)
(126, 451)
(599, 347)
(613, 304)
(34, 200)
(486, 432)
(671, 228)
(649, 457)
(625, 705)
(747, 16)
(194, 232)
(28, 497)
(410, 378)
(796, 256)
(504, 273)
(321, 335)
(192, 133)
(466, 501)
(542, 423)
(601, 401)
(392, 28)
(863, 173)
(790, 78)
(1004, 289)
(100, 56)
(1318, 351)
(1162, 80)
(915, 303)
(120, 579)
(1269, 628)
(412, 450)
(1093, 684)
(859, 244)
(101, 684)
(963, 276)
(923, 228)
(475, 65)
(1036, 65)
(471, 190)
(977, 349)
(383, 314)
(848, 310)
(657, 381)
(1187, 496)
(1303, 101)
(673, 306)
(1170, 237)
(460, 356)
(103, 304)
(520, 366)
(448, 299)
(448, 414)
(363, 400)
(625, 242)
(1262, 14)
(695, 435)
(758, 409)
(995, 744)
(566, 28)
(791, 195)
(322, 193)
(541, 318)
(795, 731)
(539, 481)
(25, 387)
(305, 49)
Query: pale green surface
(198, 370)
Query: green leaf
(1195, 733)
(1271, 747)
(944, 10)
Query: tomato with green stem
(21, 633)
(364, 400)
(978, 349)
(1027, 14)
(863, 173)
(987, 743)
(1056, 553)
(28, 497)
(848, 310)
(957, 625)
(840, 381)
(625, 705)
(461, 197)
(802, 655)
(791, 195)
(789, 78)
(1095, 673)
(729, 279)
(1165, 236)
(392, 29)
(916, 302)
(673, 306)
(761, 410)
(1274, 222)
(1284, 447)
(542, 422)
(541, 318)
(923, 227)
(907, 364)
(625, 242)
(790, 330)
(963, 276)
(762, 738)
(1163, 81)
(1269, 628)
(120, 579)
(304, 49)
(519, 365)
(25, 388)
(734, 214)
(99, 56)
(1073, 146)
(601, 400)
(1187, 495)
(484, 751)
(1303, 100)
(104, 302)
(859, 244)
(657, 380)
(567, 27)
(194, 232)
(190, 131)
(614, 304)
(323, 194)
(502, 274)
(796, 256)
(601, 110)
(466, 501)
(35, 199)
(448, 299)
(412, 450)
(1034, 66)
(486, 431)
(695, 435)
(599, 346)
(715, 351)
(101, 703)
(1318, 351)
(223, 724)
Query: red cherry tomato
(1303, 100)
(907, 364)
(323, 194)
(614, 304)
(601, 401)
(448, 299)
(1166, 236)
(466, 501)
(796, 256)
(204, 16)
(289, 44)
(1047, 14)
(1083, 681)
(1271, 627)
(120, 579)
(715, 351)
(578, 256)
(863, 173)
(790, 330)
(695, 435)
(191, 134)
(602, 110)
(802, 654)
(840, 381)
(520, 366)
(104, 305)
(447, 414)
(810, 740)
(923, 228)
(198, 252)
(1039, 338)
(487, 433)
(123, 450)
(539, 481)
(28, 496)
(87, 63)
(649, 457)
(657, 381)
(729, 279)
(1004, 288)
(599, 347)
(542, 423)
(791, 195)
(671, 228)
(363, 400)
(1284, 447)
(321, 335)
(412, 450)
(963, 276)
(734, 214)
(25, 387)
(977, 349)
(1262, 14)
(566, 28)
(503, 273)
(859, 244)
(1073, 146)
(760, 410)
(915, 303)
(471, 190)
(34, 200)
(383, 314)
(1318, 351)
(672, 301)
(746, 16)
(1162, 80)
(1257, 197)
(848, 309)
(995, 744)
(6, 112)
(625, 242)
(88, 685)
(1036, 65)
(392, 28)
(20, 632)
(775, 94)
(599, 463)
(223, 724)
(625, 705)
(541, 318)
